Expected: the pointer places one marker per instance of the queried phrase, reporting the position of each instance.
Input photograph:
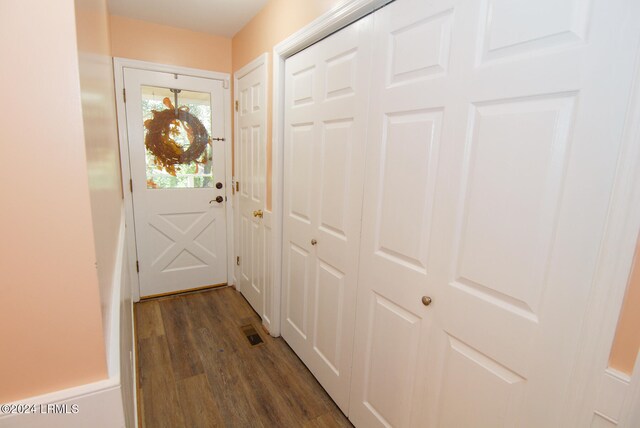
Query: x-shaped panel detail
(183, 240)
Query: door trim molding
(332, 21)
(261, 60)
(119, 64)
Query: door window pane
(177, 137)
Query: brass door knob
(426, 300)
(258, 213)
(314, 242)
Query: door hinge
(124, 94)
(237, 186)
(131, 185)
(237, 105)
(137, 267)
(238, 261)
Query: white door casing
(325, 135)
(180, 233)
(251, 119)
(495, 132)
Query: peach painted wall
(274, 23)
(50, 321)
(101, 140)
(141, 40)
(627, 341)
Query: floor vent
(252, 335)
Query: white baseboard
(99, 405)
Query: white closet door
(495, 130)
(325, 129)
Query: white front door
(495, 133)
(177, 161)
(251, 144)
(324, 147)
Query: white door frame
(119, 64)
(617, 250)
(261, 60)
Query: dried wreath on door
(162, 130)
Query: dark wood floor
(196, 368)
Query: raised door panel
(246, 274)
(513, 183)
(257, 259)
(301, 171)
(431, 60)
(511, 28)
(296, 306)
(245, 160)
(267, 274)
(328, 323)
(335, 180)
(408, 154)
(389, 363)
(489, 388)
(257, 165)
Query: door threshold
(182, 292)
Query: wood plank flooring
(197, 369)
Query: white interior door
(495, 130)
(325, 133)
(178, 199)
(251, 118)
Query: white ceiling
(220, 17)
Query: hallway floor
(196, 368)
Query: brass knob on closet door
(426, 300)
(314, 242)
(258, 213)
